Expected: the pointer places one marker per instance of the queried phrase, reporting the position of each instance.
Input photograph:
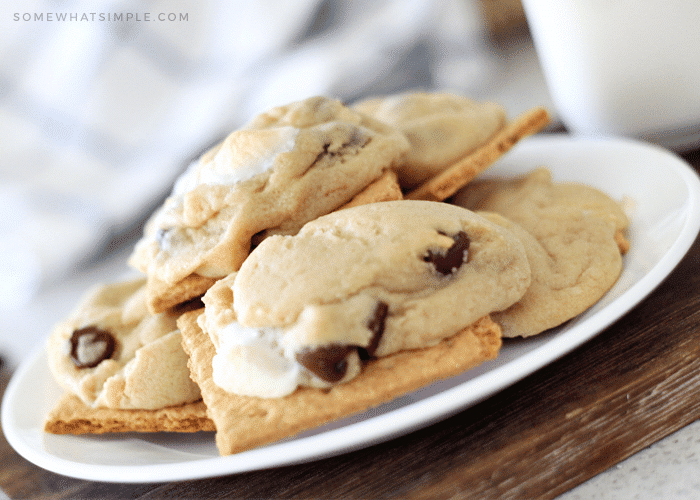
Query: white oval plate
(662, 196)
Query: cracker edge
(458, 175)
(385, 188)
(247, 422)
(71, 416)
(161, 296)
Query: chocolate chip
(257, 238)
(169, 238)
(90, 346)
(187, 306)
(321, 156)
(329, 155)
(356, 140)
(376, 326)
(329, 363)
(452, 259)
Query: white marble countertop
(667, 470)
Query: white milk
(622, 67)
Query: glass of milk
(622, 67)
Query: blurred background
(103, 104)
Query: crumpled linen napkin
(103, 103)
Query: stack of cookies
(324, 259)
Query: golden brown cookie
(571, 235)
(368, 281)
(286, 167)
(244, 422)
(458, 175)
(111, 352)
(442, 129)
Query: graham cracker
(244, 422)
(386, 188)
(162, 296)
(458, 175)
(71, 416)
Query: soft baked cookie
(363, 282)
(286, 167)
(539, 204)
(446, 183)
(112, 353)
(442, 128)
(571, 234)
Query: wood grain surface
(630, 386)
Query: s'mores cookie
(366, 281)
(122, 368)
(286, 167)
(452, 138)
(574, 238)
(446, 183)
(326, 315)
(442, 128)
(359, 307)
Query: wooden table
(630, 386)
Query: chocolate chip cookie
(574, 238)
(112, 353)
(442, 129)
(286, 167)
(364, 282)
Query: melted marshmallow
(233, 164)
(251, 362)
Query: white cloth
(103, 103)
